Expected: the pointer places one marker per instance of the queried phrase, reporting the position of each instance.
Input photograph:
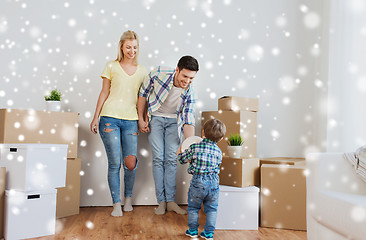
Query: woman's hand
(94, 126)
(143, 126)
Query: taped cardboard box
(243, 122)
(238, 172)
(31, 126)
(68, 197)
(283, 196)
(232, 103)
(283, 160)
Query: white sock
(161, 209)
(127, 207)
(172, 206)
(117, 210)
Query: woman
(118, 125)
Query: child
(204, 164)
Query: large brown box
(232, 103)
(283, 196)
(31, 126)
(243, 122)
(68, 197)
(239, 172)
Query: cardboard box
(239, 172)
(243, 122)
(29, 214)
(282, 160)
(68, 197)
(2, 199)
(283, 196)
(34, 166)
(231, 103)
(238, 208)
(31, 126)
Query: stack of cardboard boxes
(281, 180)
(240, 117)
(238, 207)
(31, 127)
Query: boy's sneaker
(192, 233)
(207, 235)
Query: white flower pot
(53, 106)
(234, 151)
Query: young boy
(204, 164)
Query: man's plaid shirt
(156, 87)
(204, 157)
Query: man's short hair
(214, 130)
(188, 62)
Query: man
(170, 112)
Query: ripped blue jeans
(120, 140)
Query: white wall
(347, 76)
(274, 50)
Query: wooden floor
(95, 223)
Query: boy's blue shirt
(204, 157)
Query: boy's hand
(179, 149)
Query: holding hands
(143, 126)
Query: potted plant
(234, 147)
(53, 101)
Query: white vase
(53, 106)
(234, 151)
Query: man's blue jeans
(120, 140)
(203, 189)
(164, 142)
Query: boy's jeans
(164, 142)
(203, 189)
(117, 133)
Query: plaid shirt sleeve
(186, 156)
(147, 85)
(186, 113)
(189, 109)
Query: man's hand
(143, 121)
(179, 149)
(143, 126)
(188, 130)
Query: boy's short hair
(214, 130)
(188, 62)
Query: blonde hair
(128, 35)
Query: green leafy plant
(235, 140)
(55, 95)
